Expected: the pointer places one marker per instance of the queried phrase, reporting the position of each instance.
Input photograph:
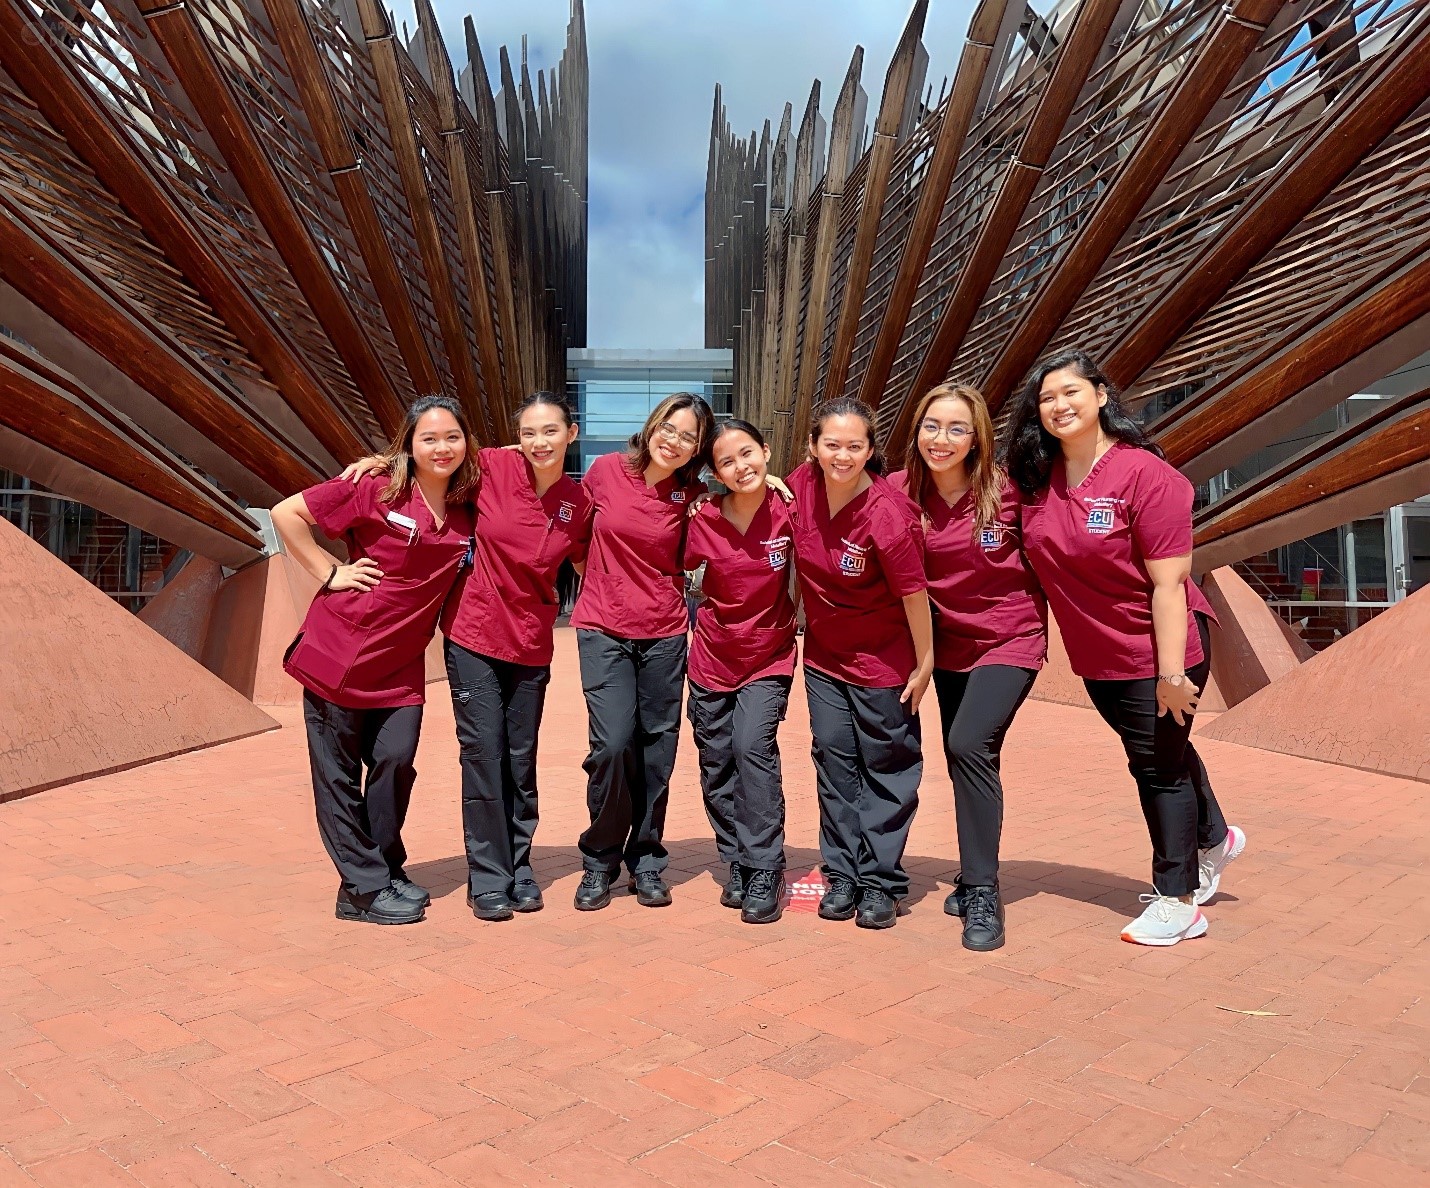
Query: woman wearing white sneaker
(1107, 527)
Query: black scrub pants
(497, 706)
(361, 825)
(1177, 800)
(633, 691)
(737, 736)
(977, 707)
(868, 759)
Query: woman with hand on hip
(742, 658)
(631, 623)
(359, 654)
(1107, 526)
(990, 628)
(499, 621)
(868, 658)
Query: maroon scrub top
(744, 630)
(634, 586)
(855, 569)
(505, 605)
(988, 606)
(363, 649)
(1089, 546)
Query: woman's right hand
(372, 464)
(362, 574)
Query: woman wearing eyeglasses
(990, 628)
(631, 621)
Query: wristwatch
(1175, 679)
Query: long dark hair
(845, 406)
(1032, 450)
(401, 467)
(984, 478)
(638, 456)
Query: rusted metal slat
(179, 35)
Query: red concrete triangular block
(1361, 702)
(88, 687)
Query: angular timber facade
(1228, 203)
(239, 237)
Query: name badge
(406, 523)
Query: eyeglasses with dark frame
(670, 433)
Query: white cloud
(654, 66)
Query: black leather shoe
(982, 919)
(594, 893)
(953, 905)
(734, 894)
(526, 897)
(764, 897)
(384, 906)
(650, 889)
(839, 901)
(877, 909)
(409, 890)
(492, 905)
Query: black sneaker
(384, 906)
(491, 905)
(734, 894)
(594, 893)
(409, 890)
(764, 897)
(840, 900)
(650, 889)
(953, 905)
(526, 897)
(877, 909)
(982, 919)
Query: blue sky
(654, 66)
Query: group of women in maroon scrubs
(942, 572)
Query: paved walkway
(179, 1007)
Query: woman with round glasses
(630, 621)
(990, 628)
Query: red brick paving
(179, 1007)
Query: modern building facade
(237, 240)
(1227, 204)
(614, 391)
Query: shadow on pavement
(692, 858)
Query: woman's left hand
(1177, 699)
(778, 484)
(698, 502)
(914, 691)
(372, 464)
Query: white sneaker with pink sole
(1210, 863)
(1166, 921)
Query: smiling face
(842, 448)
(1068, 404)
(674, 441)
(543, 435)
(740, 462)
(438, 444)
(946, 434)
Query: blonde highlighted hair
(985, 477)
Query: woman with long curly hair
(1107, 526)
